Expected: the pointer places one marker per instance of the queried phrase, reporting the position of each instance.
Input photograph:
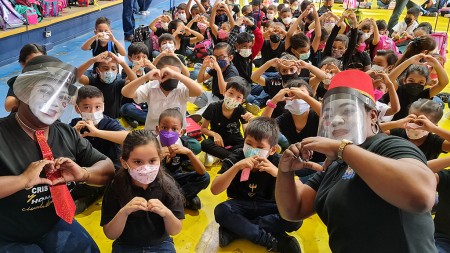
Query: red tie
(64, 205)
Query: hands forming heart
(415, 122)
(141, 204)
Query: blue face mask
(304, 56)
(108, 76)
(222, 63)
(250, 151)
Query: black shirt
(267, 53)
(160, 31)
(229, 72)
(184, 43)
(405, 100)
(358, 220)
(272, 87)
(27, 215)
(243, 66)
(141, 228)
(97, 48)
(174, 166)
(320, 92)
(108, 148)
(359, 60)
(229, 129)
(432, 147)
(260, 186)
(442, 216)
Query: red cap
(354, 79)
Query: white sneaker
(210, 160)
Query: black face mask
(169, 85)
(275, 38)
(288, 77)
(413, 89)
(408, 21)
(181, 36)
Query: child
(285, 17)
(257, 13)
(382, 85)
(163, 22)
(142, 199)
(166, 42)
(175, 155)
(331, 66)
(403, 31)
(423, 44)
(180, 32)
(384, 60)
(226, 117)
(275, 45)
(106, 66)
(248, 176)
(420, 127)
(222, 18)
(103, 40)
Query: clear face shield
(47, 88)
(344, 116)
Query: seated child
(142, 199)
(248, 176)
(226, 117)
(403, 31)
(175, 155)
(103, 39)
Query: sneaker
(284, 244)
(210, 160)
(144, 13)
(132, 123)
(431, 14)
(226, 237)
(193, 204)
(254, 109)
(129, 38)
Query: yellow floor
(200, 231)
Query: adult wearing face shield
(375, 193)
(41, 159)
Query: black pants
(209, 147)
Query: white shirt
(401, 27)
(158, 102)
(382, 108)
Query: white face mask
(329, 26)
(270, 16)
(297, 106)
(230, 103)
(413, 133)
(366, 36)
(250, 151)
(182, 16)
(377, 68)
(108, 77)
(287, 20)
(245, 52)
(144, 174)
(165, 25)
(96, 117)
(168, 46)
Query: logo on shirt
(349, 174)
(252, 186)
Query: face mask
(377, 68)
(414, 133)
(337, 53)
(96, 117)
(165, 25)
(297, 106)
(275, 38)
(294, 7)
(408, 21)
(304, 56)
(230, 103)
(245, 52)
(287, 20)
(169, 85)
(168, 138)
(327, 81)
(182, 16)
(144, 174)
(414, 89)
(378, 94)
(361, 47)
(288, 77)
(168, 46)
(365, 36)
(141, 70)
(222, 63)
(250, 151)
(201, 26)
(108, 76)
(221, 34)
(270, 16)
(329, 26)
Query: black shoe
(284, 244)
(129, 38)
(226, 237)
(132, 123)
(194, 204)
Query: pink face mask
(144, 174)
(221, 34)
(378, 94)
(201, 26)
(361, 47)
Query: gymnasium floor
(200, 231)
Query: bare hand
(33, 171)
(70, 171)
(295, 158)
(218, 140)
(156, 206)
(136, 204)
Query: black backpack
(143, 34)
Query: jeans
(442, 243)
(191, 183)
(128, 17)
(382, 5)
(194, 73)
(192, 144)
(257, 95)
(209, 147)
(283, 141)
(63, 237)
(129, 111)
(253, 220)
(398, 9)
(165, 246)
(144, 4)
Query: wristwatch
(344, 143)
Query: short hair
(263, 128)
(280, 7)
(28, 49)
(381, 25)
(331, 60)
(245, 8)
(414, 11)
(222, 45)
(285, 9)
(298, 83)
(271, 7)
(391, 56)
(426, 26)
(102, 20)
(292, 1)
(256, 2)
(172, 113)
(165, 37)
(181, 6)
(169, 60)
(299, 40)
(137, 48)
(431, 109)
(342, 38)
(304, 5)
(239, 84)
(289, 57)
(173, 24)
(365, 26)
(244, 37)
(88, 91)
